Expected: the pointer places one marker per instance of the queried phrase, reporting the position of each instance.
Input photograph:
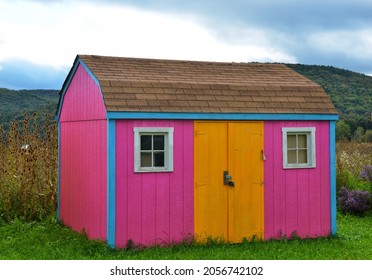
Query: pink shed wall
(296, 200)
(83, 99)
(154, 208)
(83, 157)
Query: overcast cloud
(40, 39)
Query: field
(29, 230)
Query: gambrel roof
(154, 85)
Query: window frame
(311, 150)
(168, 148)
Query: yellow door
(231, 211)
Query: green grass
(50, 240)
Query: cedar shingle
(198, 103)
(165, 96)
(278, 99)
(179, 103)
(153, 90)
(190, 109)
(145, 96)
(137, 102)
(125, 96)
(261, 99)
(243, 98)
(159, 103)
(218, 104)
(132, 90)
(223, 98)
(153, 85)
(205, 97)
(185, 97)
(234, 104)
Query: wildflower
(366, 173)
(355, 202)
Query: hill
(350, 92)
(16, 104)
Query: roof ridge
(165, 60)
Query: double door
(228, 187)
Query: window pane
(158, 142)
(146, 160)
(291, 141)
(302, 156)
(291, 156)
(302, 141)
(159, 159)
(146, 142)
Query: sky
(39, 39)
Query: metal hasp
(227, 179)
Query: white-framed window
(153, 149)
(298, 147)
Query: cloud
(58, 30)
(265, 13)
(22, 74)
(334, 32)
(354, 44)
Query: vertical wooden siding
(154, 208)
(83, 99)
(83, 157)
(83, 177)
(297, 201)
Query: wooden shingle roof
(153, 85)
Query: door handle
(263, 155)
(227, 179)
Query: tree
(359, 134)
(368, 136)
(343, 131)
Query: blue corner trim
(219, 116)
(59, 174)
(111, 207)
(332, 139)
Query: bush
(356, 202)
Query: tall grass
(352, 157)
(353, 190)
(28, 169)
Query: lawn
(50, 240)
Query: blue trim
(68, 80)
(89, 72)
(59, 174)
(111, 207)
(332, 146)
(220, 116)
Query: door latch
(227, 179)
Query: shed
(158, 151)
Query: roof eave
(222, 116)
